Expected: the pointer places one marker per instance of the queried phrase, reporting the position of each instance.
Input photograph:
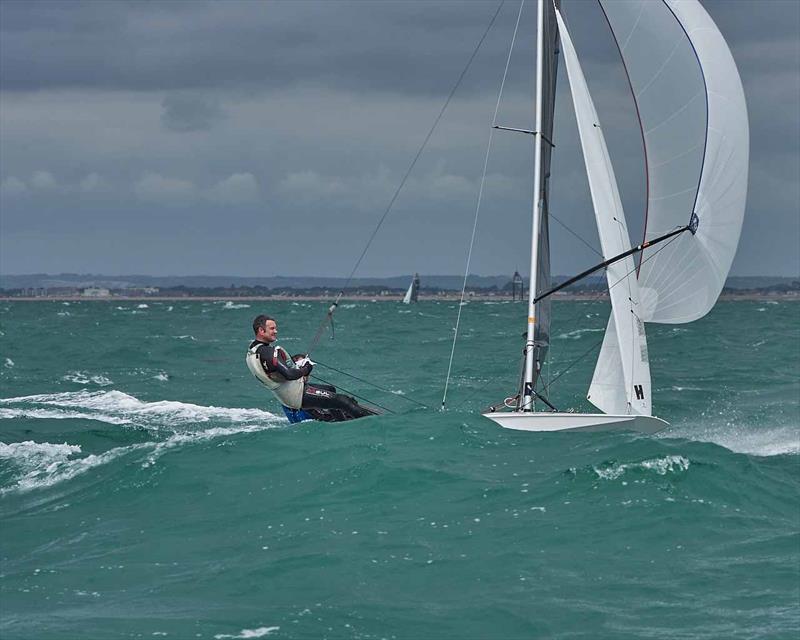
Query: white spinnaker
(625, 344)
(693, 115)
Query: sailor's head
(265, 328)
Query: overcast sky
(265, 138)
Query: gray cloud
(186, 113)
(298, 120)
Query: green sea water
(150, 487)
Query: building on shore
(96, 292)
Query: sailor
(288, 380)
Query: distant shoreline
(455, 297)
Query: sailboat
(693, 118)
(413, 290)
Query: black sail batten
(611, 261)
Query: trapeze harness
(286, 382)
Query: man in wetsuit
(287, 380)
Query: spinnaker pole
(611, 261)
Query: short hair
(261, 321)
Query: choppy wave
(118, 408)
(35, 465)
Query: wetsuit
(318, 401)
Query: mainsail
(693, 117)
(621, 383)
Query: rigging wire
(478, 207)
(329, 315)
(563, 371)
(371, 384)
(574, 362)
(550, 213)
(338, 388)
(594, 346)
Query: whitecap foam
(8, 363)
(662, 466)
(126, 408)
(56, 414)
(577, 333)
(249, 633)
(44, 464)
(142, 306)
(36, 451)
(83, 377)
(232, 305)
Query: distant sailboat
(413, 290)
(517, 287)
(693, 118)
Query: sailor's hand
(304, 361)
(307, 367)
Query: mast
(532, 364)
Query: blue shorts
(296, 415)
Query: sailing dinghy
(413, 290)
(693, 118)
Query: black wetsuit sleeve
(272, 364)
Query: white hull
(533, 421)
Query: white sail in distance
(693, 117)
(622, 378)
(413, 290)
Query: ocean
(150, 487)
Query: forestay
(621, 384)
(693, 117)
